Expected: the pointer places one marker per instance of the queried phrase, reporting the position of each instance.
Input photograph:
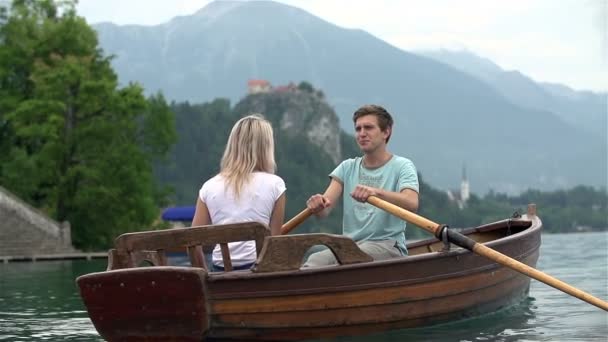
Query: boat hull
(187, 303)
(147, 303)
(362, 299)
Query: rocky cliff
(297, 112)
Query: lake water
(40, 302)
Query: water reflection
(39, 301)
(48, 329)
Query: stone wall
(25, 231)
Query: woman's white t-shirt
(255, 204)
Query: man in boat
(377, 173)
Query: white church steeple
(464, 186)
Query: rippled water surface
(39, 301)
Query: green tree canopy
(75, 144)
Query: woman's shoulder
(212, 181)
(269, 177)
(212, 185)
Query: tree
(203, 132)
(77, 146)
(306, 87)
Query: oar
(295, 221)
(465, 242)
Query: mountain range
(584, 109)
(446, 118)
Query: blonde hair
(250, 148)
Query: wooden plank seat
(275, 253)
(133, 249)
(285, 252)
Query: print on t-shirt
(364, 210)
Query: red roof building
(258, 86)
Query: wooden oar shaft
(295, 221)
(487, 252)
(406, 215)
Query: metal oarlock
(443, 236)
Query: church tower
(464, 186)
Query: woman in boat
(245, 190)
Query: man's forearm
(323, 213)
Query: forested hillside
(304, 165)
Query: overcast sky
(559, 41)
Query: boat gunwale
(533, 226)
(384, 284)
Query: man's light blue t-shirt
(363, 221)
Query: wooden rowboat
(279, 300)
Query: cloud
(600, 23)
(142, 12)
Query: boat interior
(275, 253)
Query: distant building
(258, 86)
(461, 197)
(291, 87)
(464, 186)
